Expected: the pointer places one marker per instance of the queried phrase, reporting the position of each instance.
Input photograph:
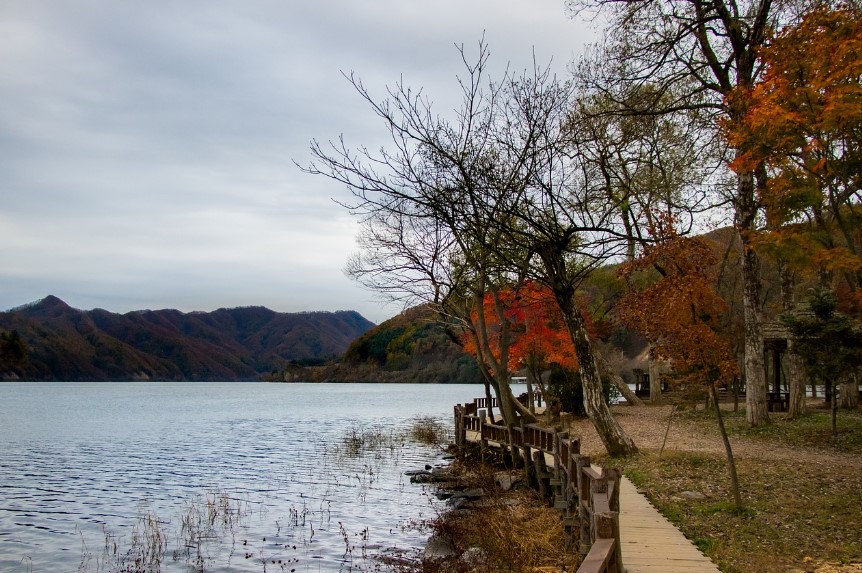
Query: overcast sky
(146, 148)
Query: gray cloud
(146, 147)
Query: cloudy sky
(146, 148)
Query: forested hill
(49, 340)
(412, 347)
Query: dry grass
(504, 532)
(429, 431)
(360, 441)
(203, 521)
(516, 535)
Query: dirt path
(647, 425)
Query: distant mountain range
(49, 340)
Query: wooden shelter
(775, 343)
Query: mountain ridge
(252, 342)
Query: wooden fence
(587, 496)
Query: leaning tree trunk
(631, 397)
(615, 440)
(506, 402)
(497, 367)
(510, 408)
(728, 451)
(559, 277)
(755, 374)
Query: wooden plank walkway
(652, 544)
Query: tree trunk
(850, 392)
(755, 374)
(522, 410)
(654, 381)
(488, 398)
(506, 402)
(534, 372)
(510, 408)
(795, 366)
(796, 377)
(531, 386)
(496, 367)
(615, 440)
(728, 451)
(834, 410)
(631, 397)
(559, 278)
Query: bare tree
(496, 196)
(429, 203)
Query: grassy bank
(802, 490)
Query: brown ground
(802, 491)
(647, 426)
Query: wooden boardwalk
(650, 543)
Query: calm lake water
(222, 476)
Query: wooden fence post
(483, 442)
(540, 468)
(613, 475)
(584, 502)
(460, 427)
(558, 452)
(513, 449)
(526, 455)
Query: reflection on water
(221, 477)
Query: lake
(219, 477)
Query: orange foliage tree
(803, 120)
(535, 333)
(679, 314)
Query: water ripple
(82, 464)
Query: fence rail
(588, 496)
